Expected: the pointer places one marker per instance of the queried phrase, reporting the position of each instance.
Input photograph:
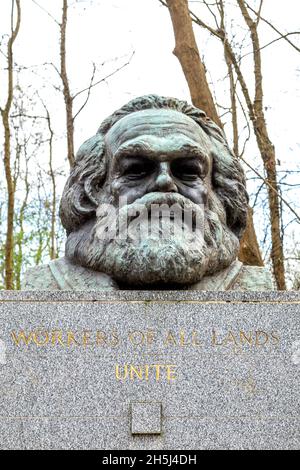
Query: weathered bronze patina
(153, 151)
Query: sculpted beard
(168, 254)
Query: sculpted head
(153, 151)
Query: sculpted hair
(83, 188)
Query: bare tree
(266, 148)
(257, 116)
(187, 52)
(53, 251)
(5, 114)
(69, 97)
(66, 88)
(20, 218)
(281, 35)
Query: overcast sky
(102, 30)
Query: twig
(272, 188)
(92, 85)
(283, 36)
(46, 11)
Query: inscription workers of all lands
(138, 340)
(149, 370)
(153, 151)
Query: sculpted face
(157, 156)
(158, 151)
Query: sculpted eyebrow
(142, 149)
(195, 151)
(133, 150)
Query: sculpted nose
(164, 181)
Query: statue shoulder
(39, 278)
(254, 278)
(61, 274)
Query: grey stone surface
(145, 418)
(228, 376)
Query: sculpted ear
(80, 196)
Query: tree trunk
(20, 235)
(186, 50)
(267, 151)
(66, 88)
(5, 113)
(249, 254)
(53, 251)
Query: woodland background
(65, 65)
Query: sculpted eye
(137, 170)
(186, 170)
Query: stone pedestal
(149, 370)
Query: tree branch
(46, 11)
(282, 36)
(92, 85)
(267, 183)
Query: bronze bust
(153, 151)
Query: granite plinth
(149, 370)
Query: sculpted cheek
(204, 194)
(198, 195)
(205, 191)
(115, 187)
(117, 190)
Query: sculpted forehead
(154, 122)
